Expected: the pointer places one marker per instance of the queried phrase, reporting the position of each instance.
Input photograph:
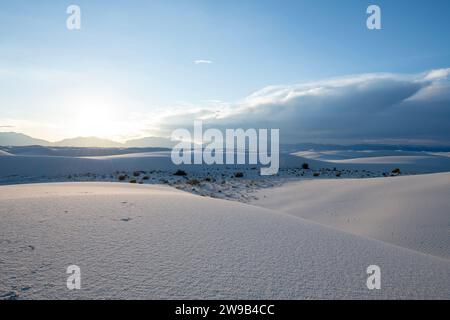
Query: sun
(94, 117)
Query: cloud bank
(375, 108)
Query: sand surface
(147, 242)
(409, 211)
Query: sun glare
(94, 117)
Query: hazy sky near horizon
(136, 64)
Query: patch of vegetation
(193, 182)
(133, 181)
(239, 175)
(122, 177)
(180, 173)
(316, 174)
(305, 166)
(396, 171)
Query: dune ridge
(409, 211)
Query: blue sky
(134, 60)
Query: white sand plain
(303, 236)
(149, 242)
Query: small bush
(136, 173)
(239, 175)
(316, 174)
(132, 181)
(180, 173)
(305, 166)
(396, 171)
(193, 182)
(145, 178)
(338, 174)
(122, 177)
(208, 179)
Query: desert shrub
(208, 179)
(180, 173)
(145, 178)
(193, 182)
(239, 175)
(305, 166)
(121, 177)
(396, 171)
(338, 174)
(136, 173)
(316, 174)
(132, 181)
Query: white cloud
(203, 61)
(438, 74)
(375, 107)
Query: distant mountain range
(20, 139)
(88, 142)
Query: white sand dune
(442, 154)
(409, 211)
(336, 155)
(156, 154)
(48, 165)
(379, 160)
(26, 165)
(400, 160)
(4, 153)
(147, 242)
